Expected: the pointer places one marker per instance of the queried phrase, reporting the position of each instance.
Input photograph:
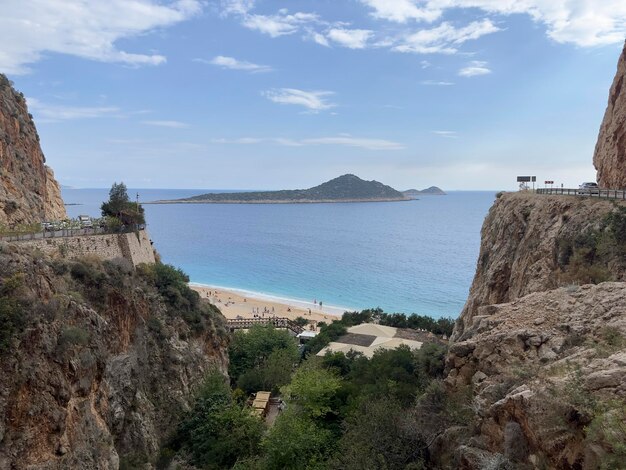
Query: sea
(408, 257)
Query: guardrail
(599, 193)
(64, 233)
(246, 323)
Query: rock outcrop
(549, 368)
(610, 154)
(28, 191)
(523, 241)
(97, 363)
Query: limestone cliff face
(548, 377)
(97, 365)
(542, 355)
(523, 239)
(610, 154)
(28, 191)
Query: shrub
(11, 322)
(73, 336)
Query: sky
(262, 94)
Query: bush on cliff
(178, 297)
(584, 258)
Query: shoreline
(280, 201)
(234, 303)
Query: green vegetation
(584, 258)
(72, 336)
(218, 431)
(342, 411)
(262, 359)
(119, 210)
(179, 298)
(346, 187)
(12, 319)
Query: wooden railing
(599, 193)
(246, 323)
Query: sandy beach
(234, 304)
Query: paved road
(617, 194)
(76, 232)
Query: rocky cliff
(98, 360)
(540, 347)
(610, 154)
(547, 375)
(533, 243)
(28, 191)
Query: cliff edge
(535, 243)
(610, 153)
(28, 191)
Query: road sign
(526, 179)
(548, 182)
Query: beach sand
(235, 304)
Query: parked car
(85, 221)
(588, 188)
(47, 226)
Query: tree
(272, 374)
(312, 389)
(251, 350)
(119, 206)
(218, 431)
(296, 442)
(379, 434)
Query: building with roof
(367, 338)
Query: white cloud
(350, 38)
(425, 64)
(445, 38)
(402, 11)
(170, 124)
(581, 22)
(369, 144)
(83, 28)
(436, 83)
(53, 113)
(234, 64)
(474, 69)
(446, 134)
(312, 100)
(341, 140)
(280, 24)
(318, 38)
(240, 7)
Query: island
(432, 191)
(346, 188)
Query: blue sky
(463, 94)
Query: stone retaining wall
(136, 248)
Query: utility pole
(137, 219)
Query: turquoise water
(411, 257)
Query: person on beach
(320, 305)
